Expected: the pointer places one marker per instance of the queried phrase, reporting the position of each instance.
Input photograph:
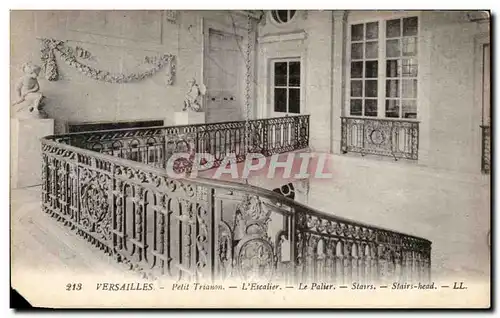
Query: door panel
(224, 69)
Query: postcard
(251, 158)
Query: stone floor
(42, 244)
(450, 209)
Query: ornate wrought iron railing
(154, 145)
(486, 149)
(384, 137)
(211, 230)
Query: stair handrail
(223, 184)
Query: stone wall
(118, 41)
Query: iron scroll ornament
(94, 202)
(255, 259)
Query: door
(224, 70)
(286, 93)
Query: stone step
(35, 235)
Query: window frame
(287, 87)
(381, 19)
(279, 22)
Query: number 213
(71, 287)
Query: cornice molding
(254, 14)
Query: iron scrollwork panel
(95, 207)
(252, 245)
(175, 228)
(355, 253)
(396, 138)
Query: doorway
(224, 67)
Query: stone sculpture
(30, 100)
(192, 100)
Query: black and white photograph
(263, 158)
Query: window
(364, 69)
(282, 16)
(286, 86)
(390, 91)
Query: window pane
(294, 74)
(392, 108)
(294, 100)
(356, 88)
(280, 99)
(392, 88)
(370, 107)
(371, 69)
(357, 51)
(275, 15)
(356, 107)
(356, 69)
(392, 48)
(409, 46)
(372, 30)
(371, 50)
(280, 74)
(409, 109)
(410, 68)
(283, 15)
(357, 32)
(393, 28)
(409, 88)
(410, 26)
(371, 88)
(393, 68)
(292, 14)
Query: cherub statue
(30, 98)
(192, 100)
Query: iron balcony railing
(211, 230)
(155, 145)
(384, 137)
(485, 149)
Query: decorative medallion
(377, 137)
(95, 201)
(255, 260)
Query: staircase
(42, 244)
(114, 189)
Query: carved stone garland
(70, 55)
